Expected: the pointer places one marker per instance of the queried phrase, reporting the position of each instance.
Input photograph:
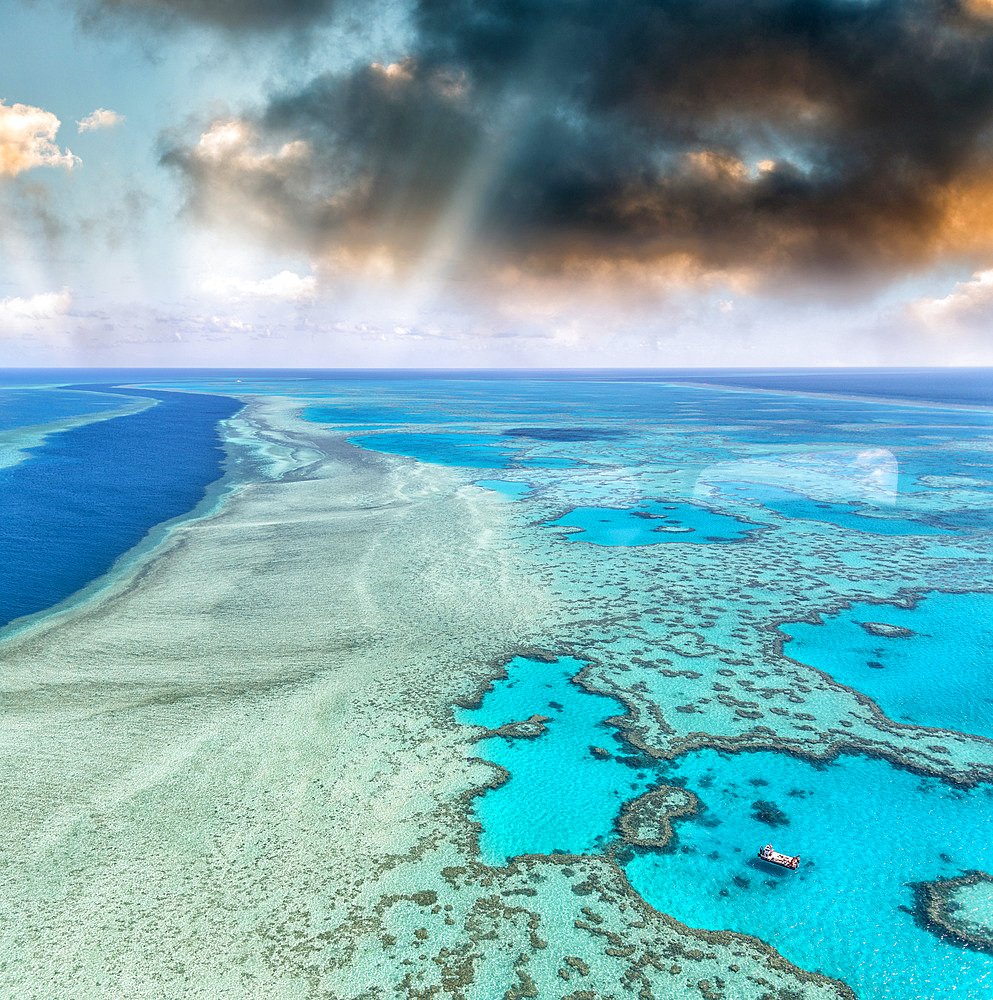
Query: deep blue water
(959, 386)
(27, 407)
(89, 494)
(597, 401)
(956, 386)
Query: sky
(510, 183)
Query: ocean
(89, 493)
(773, 601)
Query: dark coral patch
(769, 813)
(936, 909)
(564, 433)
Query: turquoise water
(863, 829)
(559, 797)
(514, 490)
(941, 675)
(651, 524)
(477, 451)
(853, 516)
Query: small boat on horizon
(775, 858)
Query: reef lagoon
(492, 684)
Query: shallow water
(651, 524)
(936, 673)
(560, 796)
(975, 904)
(504, 487)
(863, 829)
(478, 451)
(856, 517)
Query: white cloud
(969, 303)
(47, 305)
(27, 139)
(101, 118)
(230, 143)
(36, 313)
(283, 287)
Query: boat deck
(768, 854)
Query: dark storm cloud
(237, 15)
(826, 136)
